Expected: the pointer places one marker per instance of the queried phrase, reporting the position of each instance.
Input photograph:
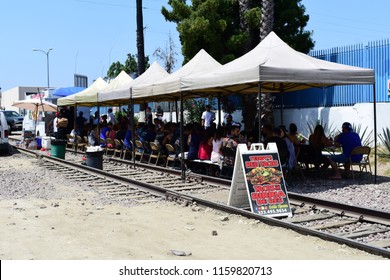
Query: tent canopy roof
(87, 97)
(66, 91)
(278, 68)
(200, 63)
(121, 94)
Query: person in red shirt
(206, 145)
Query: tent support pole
(375, 136)
(219, 110)
(183, 173)
(98, 116)
(132, 126)
(74, 127)
(259, 110)
(176, 111)
(282, 105)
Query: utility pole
(140, 39)
(140, 45)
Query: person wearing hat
(348, 140)
(207, 117)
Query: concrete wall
(359, 114)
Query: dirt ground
(69, 223)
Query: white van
(4, 145)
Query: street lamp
(47, 60)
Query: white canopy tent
(87, 97)
(278, 68)
(122, 80)
(123, 93)
(273, 66)
(200, 63)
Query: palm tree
(267, 18)
(251, 101)
(266, 26)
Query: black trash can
(58, 148)
(95, 159)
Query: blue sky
(88, 35)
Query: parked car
(14, 120)
(4, 146)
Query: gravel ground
(360, 192)
(46, 216)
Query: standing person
(95, 120)
(159, 112)
(207, 117)
(80, 123)
(62, 124)
(55, 128)
(148, 116)
(111, 117)
(348, 140)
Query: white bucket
(46, 142)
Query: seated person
(318, 141)
(275, 137)
(348, 140)
(194, 141)
(230, 141)
(205, 147)
(92, 136)
(216, 154)
(290, 147)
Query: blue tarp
(65, 91)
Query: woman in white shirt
(217, 142)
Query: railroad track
(361, 228)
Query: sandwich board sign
(258, 181)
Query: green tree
(227, 29)
(195, 107)
(130, 66)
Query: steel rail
(283, 223)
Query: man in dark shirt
(348, 140)
(280, 143)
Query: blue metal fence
(376, 55)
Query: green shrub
(384, 149)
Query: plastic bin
(58, 148)
(95, 159)
(39, 142)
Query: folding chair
(155, 152)
(172, 155)
(118, 148)
(127, 149)
(80, 143)
(70, 142)
(110, 146)
(139, 149)
(364, 163)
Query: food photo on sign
(266, 186)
